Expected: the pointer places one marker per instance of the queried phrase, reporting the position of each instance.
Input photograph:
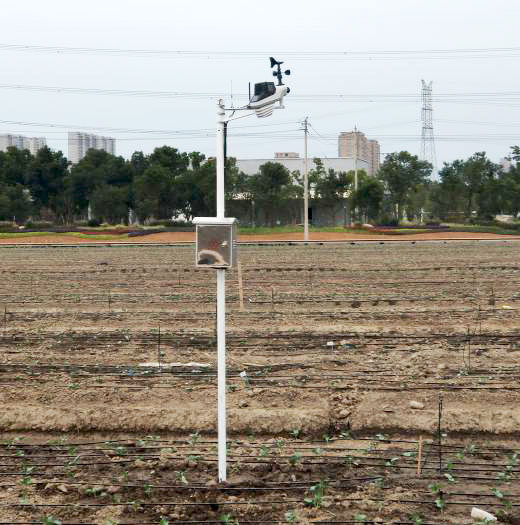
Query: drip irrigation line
(155, 504)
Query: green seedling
(182, 477)
(349, 460)
(450, 478)
(361, 518)
(416, 519)
(50, 520)
(264, 451)
(194, 438)
(296, 433)
(290, 517)
(295, 458)
(26, 481)
(317, 493)
(227, 518)
(436, 490)
(392, 462)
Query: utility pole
(306, 183)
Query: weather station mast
(216, 237)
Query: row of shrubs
(8, 226)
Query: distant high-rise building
(80, 143)
(355, 144)
(33, 144)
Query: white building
(33, 144)
(252, 166)
(80, 143)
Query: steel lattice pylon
(427, 138)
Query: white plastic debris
(243, 374)
(156, 364)
(479, 514)
(330, 343)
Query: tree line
(169, 183)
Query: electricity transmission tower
(427, 139)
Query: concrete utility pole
(306, 183)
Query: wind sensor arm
(266, 94)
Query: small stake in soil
(439, 434)
(159, 348)
(419, 456)
(240, 286)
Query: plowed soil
(173, 237)
(382, 384)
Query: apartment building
(33, 144)
(80, 143)
(355, 145)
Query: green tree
(154, 193)
(369, 197)
(171, 159)
(109, 203)
(45, 179)
(15, 203)
(271, 187)
(401, 174)
(197, 186)
(14, 165)
(331, 188)
(478, 172)
(448, 197)
(97, 169)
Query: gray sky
(463, 122)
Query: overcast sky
(381, 93)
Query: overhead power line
(399, 54)
(457, 97)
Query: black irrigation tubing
(229, 503)
(286, 442)
(155, 504)
(103, 453)
(258, 461)
(296, 486)
(294, 338)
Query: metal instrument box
(216, 242)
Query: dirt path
(172, 237)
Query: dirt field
(172, 237)
(382, 385)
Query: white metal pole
(306, 185)
(355, 166)
(221, 308)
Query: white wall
(252, 166)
